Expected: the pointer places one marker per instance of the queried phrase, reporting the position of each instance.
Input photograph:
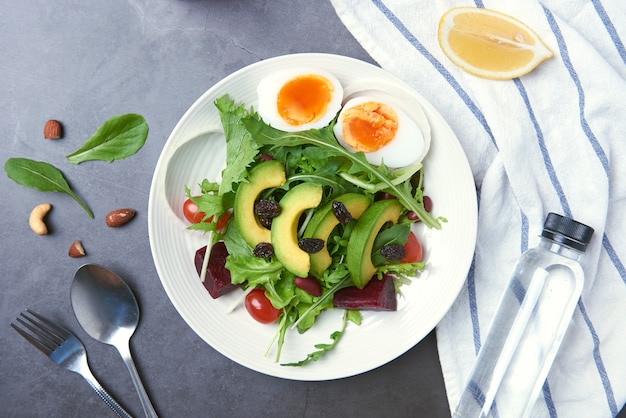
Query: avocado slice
(359, 251)
(262, 176)
(324, 221)
(284, 232)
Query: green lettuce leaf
(241, 150)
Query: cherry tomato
(190, 210)
(260, 307)
(222, 221)
(413, 249)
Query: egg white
(270, 86)
(408, 145)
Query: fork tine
(40, 330)
(51, 327)
(43, 334)
(38, 344)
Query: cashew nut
(36, 218)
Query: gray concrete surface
(83, 62)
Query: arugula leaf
(354, 316)
(309, 313)
(348, 315)
(286, 319)
(119, 137)
(40, 176)
(324, 138)
(241, 150)
(313, 309)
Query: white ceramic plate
(196, 150)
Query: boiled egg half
(299, 99)
(377, 125)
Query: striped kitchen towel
(553, 140)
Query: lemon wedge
(490, 44)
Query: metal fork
(64, 349)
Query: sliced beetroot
(377, 295)
(309, 284)
(217, 281)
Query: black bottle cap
(567, 231)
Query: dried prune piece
(393, 251)
(341, 212)
(266, 208)
(263, 250)
(311, 245)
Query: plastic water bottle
(530, 322)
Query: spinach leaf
(396, 234)
(119, 137)
(40, 176)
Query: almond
(76, 250)
(119, 217)
(52, 129)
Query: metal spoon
(107, 310)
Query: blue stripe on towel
(544, 151)
(473, 306)
(581, 93)
(547, 396)
(606, 383)
(393, 19)
(524, 238)
(619, 45)
(614, 258)
(471, 293)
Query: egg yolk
(304, 99)
(369, 126)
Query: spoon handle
(148, 409)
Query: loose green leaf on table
(40, 176)
(118, 138)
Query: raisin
(266, 222)
(311, 245)
(266, 208)
(341, 212)
(393, 251)
(263, 250)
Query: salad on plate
(314, 208)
